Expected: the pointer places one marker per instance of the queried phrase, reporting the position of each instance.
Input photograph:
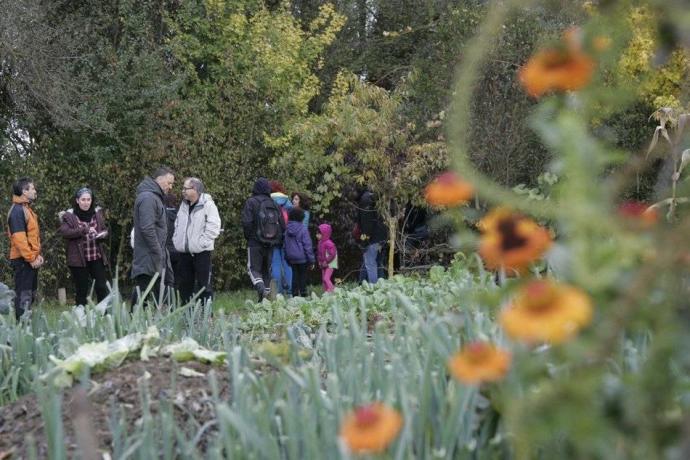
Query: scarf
(85, 216)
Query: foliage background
(99, 94)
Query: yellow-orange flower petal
(448, 190)
(556, 70)
(371, 428)
(511, 241)
(544, 311)
(479, 362)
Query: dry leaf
(684, 160)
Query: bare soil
(88, 412)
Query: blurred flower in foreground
(479, 362)
(639, 213)
(370, 428)
(545, 311)
(448, 190)
(511, 241)
(565, 68)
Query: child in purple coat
(327, 255)
(298, 251)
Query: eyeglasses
(187, 188)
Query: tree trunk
(392, 233)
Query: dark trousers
(259, 268)
(193, 274)
(25, 286)
(174, 263)
(141, 283)
(299, 280)
(83, 276)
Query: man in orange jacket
(25, 245)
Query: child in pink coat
(327, 255)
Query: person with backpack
(84, 230)
(25, 245)
(281, 272)
(263, 227)
(298, 251)
(196, 227)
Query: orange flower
(511, 241)
(448, 190)
(370, 428)
(479, 362)
(565, 68)
(544, 311)
(639, 213)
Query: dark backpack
(267, 221)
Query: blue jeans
(281, 272)
(370, 270)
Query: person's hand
(312, 267)
(37, 262)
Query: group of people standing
(279, 246)
(172, 244)
(180, 256)
(189, 237)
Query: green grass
(52, 310)
(238, 301)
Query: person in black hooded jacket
(262, 233)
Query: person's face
(30, 192)
(84, 201)
(189, 193)
(295, 201)
(318, 236)
(166, 182)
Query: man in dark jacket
(263, 227)
(373, 233)
(151, 231)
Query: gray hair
(197, 184)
